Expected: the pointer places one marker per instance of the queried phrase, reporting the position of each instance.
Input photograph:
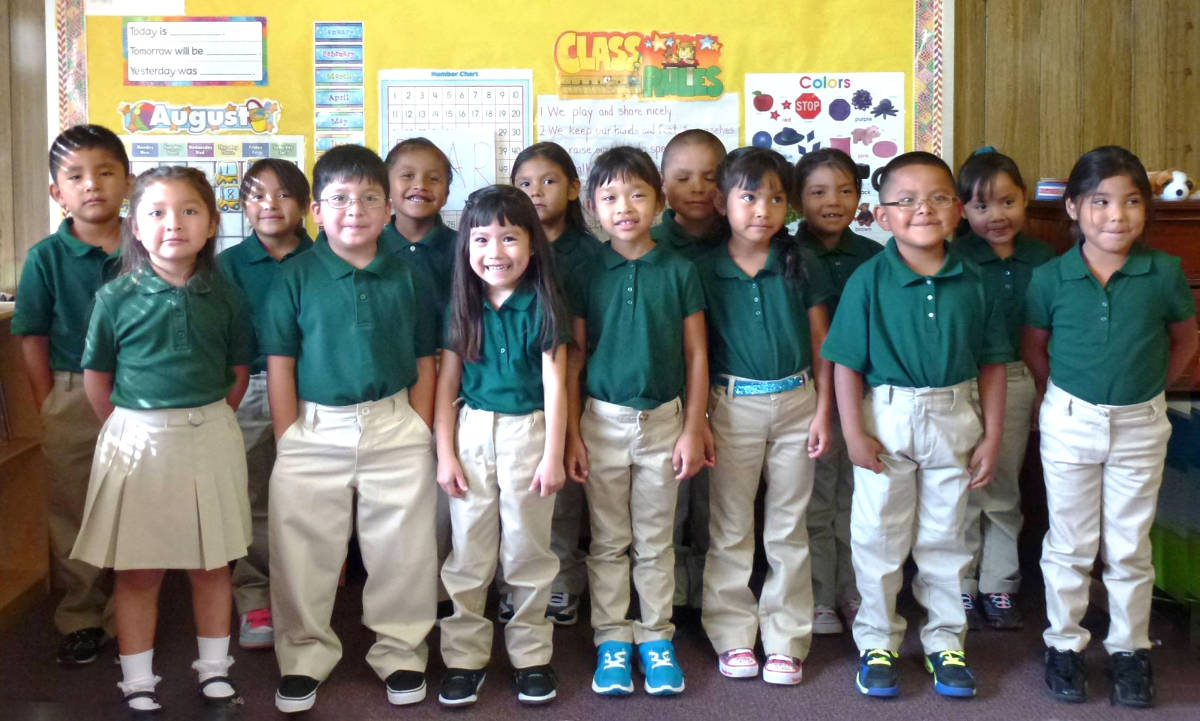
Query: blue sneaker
(657, 662)
(951, 675)
(614, 669)
(877, 673)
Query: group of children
(882, 396)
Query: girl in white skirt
(166, 360)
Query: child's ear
(573, 190)
(315, 209)
(881, 218)
(56, 194)
(1072, 209)
(720, 203)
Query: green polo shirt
(355, 334)
(758, 327)
(670, 234)
(634, 311)
(169, 346)
(54, 299)
(573, 249)
(1007, 278)
(1110, 345)
(507, 378)
(899, 328)
(434, 252)
(842, 259)
(251, 268)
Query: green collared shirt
(434, 252)
(899, 328)
(1110, 344)
(251, 268)
(670, 234)
(1007, 278)
(507, 378)
(54, 299)
(758, 327)
(355, 334)
(634, 310)
(573, 249)
(169, 346)
(840, 261)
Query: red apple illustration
(762, 101)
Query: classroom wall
(1047, 80)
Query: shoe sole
(454, 702)
(664, 690)
(563, 621)
(295, 705)
(404, 698)
(828, 628)
(256, 645)
(536, 700)
(737, 671)
(877, 692)
(953, 691)
(613, 690)
(779, 678)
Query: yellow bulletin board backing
(817, 36)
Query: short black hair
(746, 167)
(979, 173)
(413, 145)
(624, 161)
(692, 136)
(1100, 164)
(289, 176)
(349, 162)
(823, 158)
(916, 157)
(81, 137)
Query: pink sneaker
(782, 669)
(738, 663)
(256, 630)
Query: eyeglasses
(370, 201)
(937, 201)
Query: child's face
(998, 217)
(419, 184)
(357, 226)
(1112, 216)
(547, 186)
(828, 201)
(924, 226)
(271, 210)
(625, 207)
(690, 182)
(499, 255)
(173, 224)
(91, 184)
(755, 216)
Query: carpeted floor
(1008, 666)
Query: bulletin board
(322, 62)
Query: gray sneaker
(563, 609)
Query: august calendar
(480, 118)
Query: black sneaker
(80, 647)
(296, 693)
(1132, 679)
(1001, 612)
(951, 674)
(536, 685)
(1065, 675)
(405, 687)
(505, 610)
(971, 608)
(460, 687)
(877, 673)
(563, 609)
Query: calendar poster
(474, 109)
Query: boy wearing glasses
(349, 339)
(915, 322)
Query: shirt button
(412, 248)
(1104, 318)
(756, 300)
(758, 312)
(837, 262)
(629, 302)
(1008, 272)
(362, 296)
(929, 297)
(1104, 304)
(931, 315)
(929, 281)
(630, 289)
(503, 350)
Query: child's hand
(549, 478)
(692, 453)
(864, 452)
(450, 478)
(983, 462)
(575, 457)
(819, 435)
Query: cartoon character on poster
(638, 65)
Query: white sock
(214, 661)
(137, 671)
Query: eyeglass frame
(928, 202)
(351, 200)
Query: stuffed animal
(1172, 185)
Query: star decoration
(786, 104)
(706, 42)
(659, 43)
(670, 42)
(647, 44)
(774, 115)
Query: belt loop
(310, 415)
(1070, 406)
(891, 393)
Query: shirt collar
(568, 242)
(429, 239)
(76, 246)
(975, 247)
(148, 282)
(845, 244)
(1073, 266)
(257, 252)
(725, 267)
(907, 276)
(339, 268)
(521, 298)
(612, 258)
(678, 237)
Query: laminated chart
(223, 159)
(481, 119)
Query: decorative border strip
(71, 27)
(929, 35)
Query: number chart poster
(861, 114)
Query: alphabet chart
(477, 117)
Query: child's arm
(550, 473)
(35, 349)
(98, 386)
(993, 385)
(421, 394)
(1183, 348)
(818, 430)
(864, 449)
(241, 381)
(449, 381)
(575, 454)
(281, 393)
(1035, 351)
(694, 449)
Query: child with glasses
(916, 322)
(349, 340)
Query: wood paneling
(970, 26)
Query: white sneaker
(826, 621)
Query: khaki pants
(829, 524)
(69, 443)
(916, 505)
(382, 453)
(499, 517)
(760, 436)
(569, 509)
(993, 517)
(631, 492)
(1103, 467)
(251, 588)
